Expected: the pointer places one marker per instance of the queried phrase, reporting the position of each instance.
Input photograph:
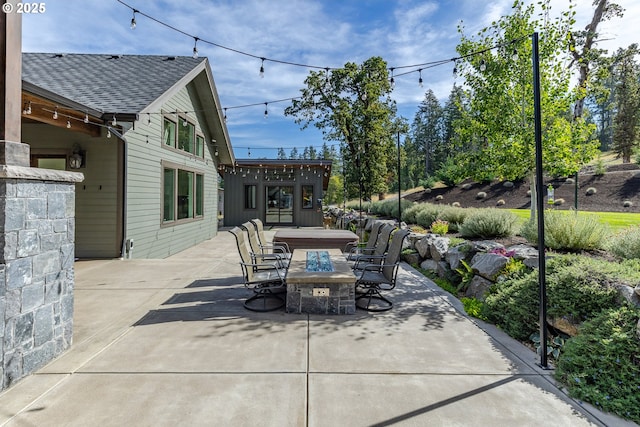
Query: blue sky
(327, 33)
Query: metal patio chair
(263, 239)
(265, 279)
(353, 250)
(380, 248)
(275, 253)
(374, 277)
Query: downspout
(123, 247)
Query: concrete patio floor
(168, 342)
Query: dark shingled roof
(106, 83)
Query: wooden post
(12, 150)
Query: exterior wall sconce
(77, 158)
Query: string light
(455, 68)
(266, 110)
(114, 122)
(225, 115)
(108, 133)
(86, 118)
(133, 20)
(420, 78)
(195, 48)
(514, 55)
(392, 82)
(55, 114)
(184, 121)
(27, 109)
(68, 124)
(262, 68)
(483, 66)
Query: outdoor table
(309, 238)
(320, 282)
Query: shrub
(454, 215)
(440, 227)
(567, 231)
(474, 307)
(489, 223)
(450, 173)
(577, 288)
(600, 168)
(429, 182)
(409, 214)
(427, 214)
(626, 244)
(600, 365)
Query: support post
(540, 201)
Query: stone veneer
(37, 227)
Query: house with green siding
(148, 135)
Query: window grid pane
(249, 196)
(169, 196)
(185, 194)
(169, 133)
(186, 137)
(307, 197)
(199, 195)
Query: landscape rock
(412, 258)
(487, 246)
(478, 287)
(423, 245)
(459, 253)
(429, 264)
(522, 251)
(627, 294)
(488, 265)
(565, 324)
(438, 248)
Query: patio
(167, 342)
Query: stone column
(37, 228)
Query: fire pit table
(320, 282)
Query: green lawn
(615, 220)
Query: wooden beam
(42, 111)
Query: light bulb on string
(195, 48)
(184, 121)
(262, 68)
(483, 66)
(420, 78)
(55, 114)
(114, 122)
(27, 110)
(514, 55)
(133, 20)
(455, 69)
(68, 124)
(225, 115)
(86, 118)
(266, 110)
(108, 133)
(326, 76)
(392, 82)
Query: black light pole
(399, 186)
(539, 190)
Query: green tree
(495, 136)
(293, 154)
(281, 154)
(427, 131)
(351, 105)
(627, 95)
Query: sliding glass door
(279, 204)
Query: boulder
(459, 253)
(627, 294)
(565, 324)
(522, 251)
(637, 290)
(488, 265)
(478, 287)
(423, 245)
(486, 245)
(439, 247)
(429, 264)
(444, 270)
(413, 258)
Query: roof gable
(107, 83)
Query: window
(307, 197)
(183, 194)
(249, 196)
(169, 133)
(182, 135)
(49, 161)
(199, 146)
(186, 137)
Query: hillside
(619, 184)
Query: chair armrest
(271, 266)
